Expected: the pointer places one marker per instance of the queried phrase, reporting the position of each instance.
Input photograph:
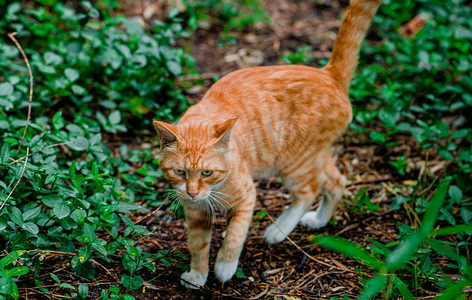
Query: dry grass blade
(19, 263)
(47, 147)
(30, 98)
(19, 179)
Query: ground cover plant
(95, 74)
(81, 194)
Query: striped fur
(278, 120)
(345, 56)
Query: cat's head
(195, 157)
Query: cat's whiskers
(176, 202)
(176, 199)
(230, 206)
(165, 194)
(211, 212)
(216, 202)
(220, 199)
(220, 193)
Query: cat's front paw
(193, 279)
(314, 220)
(224, 271)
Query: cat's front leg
(199, 237)
(228, 256)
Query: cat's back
(278, 91)
(287, 79)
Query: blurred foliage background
(101, 77)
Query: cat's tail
(345, 54)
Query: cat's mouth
(196, 199)
(212, 198)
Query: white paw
(273, 235)
(284, 225)
(193, 279)
(314, 220)
(224, 271)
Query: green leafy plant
(61, 188)
(363, 203)
(400, 164)
(10, 269)
(233, 15)
(133, 261)
(115, 294)
(411, 99)
(388, 270)
(81, 60)
(301, 56)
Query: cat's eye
(207, 172)
(179, 172)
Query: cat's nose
(192, 194)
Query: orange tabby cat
(278, 120)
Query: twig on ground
(375, 180)
(317, 277)
(50, 146)
(57, 285)
(391, 190)
(347, 228)
(261, 294)
(304, 252)
(12, 257)
(47, 252)
(19, 179)
(30, 98)
(36, 293)
(52, 252)
(150, 214)
(109, 273)
(47, 274)
(34, 288)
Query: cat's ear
(167, 133)
(223, 132)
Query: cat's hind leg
(332, 190)
(304, 186)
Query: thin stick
(48, 252)
(52, 252)
(359, 182)
(19, 179)
(12, 257)
(30, 98)
(151, 213)
(109, 273)
(304, 252)
(57, 285)
(54, 145)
